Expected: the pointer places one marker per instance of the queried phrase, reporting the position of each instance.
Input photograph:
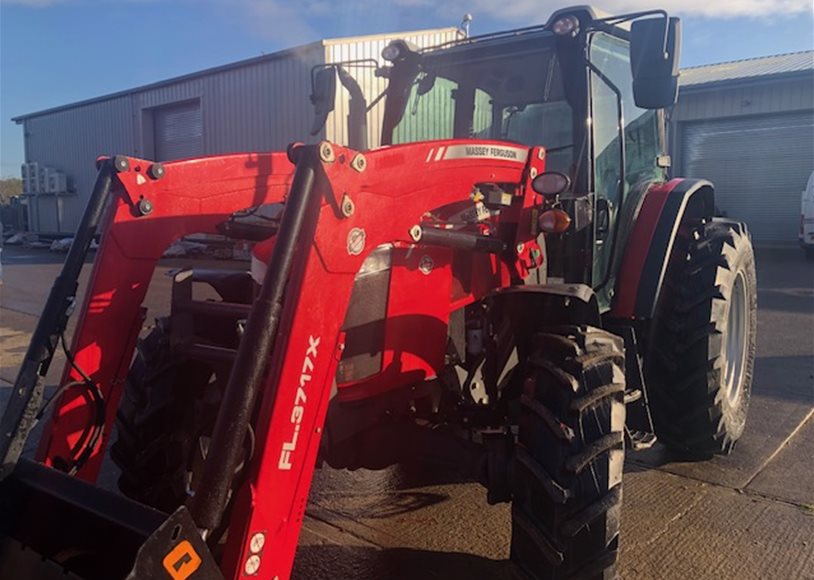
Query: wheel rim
(737, 327)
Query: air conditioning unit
(42, 179)
(24, 177)
(57, 182)
(32, 177)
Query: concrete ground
(749, 515)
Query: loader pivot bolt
(252, 565)
(520, 247)
(347, 206)
(326, 152)
(121, 163)
(359, 163)
(415, 233)
(145, 207)
(257, 542)
(156, 171)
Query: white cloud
(291, 19)
(282, 11)
(281, 20)
(533, 11)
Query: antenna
(464, 27)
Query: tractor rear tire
(568, 466)
(702, 348)
(167, 406)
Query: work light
(391, 52)
(398, 49)
(566, 26)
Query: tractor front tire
(702, 348)
(568, 466)
(167, 406)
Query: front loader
(508, 282)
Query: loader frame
(152, 206)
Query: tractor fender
(534, 306)
(649, 245)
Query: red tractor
(510, 276)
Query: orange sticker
(182, 561)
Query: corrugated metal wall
(718, 102)
(759, 164)
(70, 141)
(257, 107)
(755, 142)
(764, 97)
(260, 105)
(372, 86)
(178, 131)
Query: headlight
(377, 261)
(551, 183)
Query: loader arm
(390, 199)
(191, 197)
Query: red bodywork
(391, 194)
(638, 246)
(666, 205)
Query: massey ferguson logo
(482, 151)
(299, 404)
(478, 151)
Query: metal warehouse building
(259, 104)
(748, 126)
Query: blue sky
(54, 52)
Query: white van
(807, 219)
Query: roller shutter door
(759, 166)
(178, 131)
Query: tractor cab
(590, 89)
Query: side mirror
(654, 62)
(323, 94)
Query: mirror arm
(616, 20)
(376, 101)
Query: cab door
(610, 83)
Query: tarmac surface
(748, 515)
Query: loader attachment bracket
(175, 550)
(100, 535)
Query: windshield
(512, 95)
